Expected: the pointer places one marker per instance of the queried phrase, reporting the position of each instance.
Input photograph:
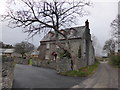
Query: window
(57, 46)
(48, 45)
(62, 31)
(72, 31)
(51, 34)
(46, 56)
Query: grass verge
(82, 72)
(114, 61)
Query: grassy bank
(114, 61)
(82, 72)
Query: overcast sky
(101, 15)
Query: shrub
(64, 54)
(115, 60)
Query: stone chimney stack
(87, 24)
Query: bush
(115, 60)
(64, 54)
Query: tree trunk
(69, 49)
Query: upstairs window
(57, 46)
(51, 34)
(72, 31)
(46, 56)
(62, 31)
(48, 45)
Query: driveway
(36, 77)
(105, 77)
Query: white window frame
(48, 45)
(46, 56)
(57, 46)
(72, 32)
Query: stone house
(6, 52)
(80, 41)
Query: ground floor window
(46, 56)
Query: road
(105, 77)
(35, 77)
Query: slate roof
(6, 50)
(78, 33)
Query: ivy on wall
(65, 53)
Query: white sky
(101, 15)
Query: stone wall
(46, 64)
(21, 61)
(7, 72)
(61, 65)
(64, 65)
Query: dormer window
(72, 31)
(48, 45)
(51, 34)
(57, 46)
(62, 31)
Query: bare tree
(38, 16)
(24, 48)
(109, 46)
(116, 30)
(116, 27)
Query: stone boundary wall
(21, 61)
(61, 65)
(7, 72)
(64, 65)
(46, 64)
(37, 62)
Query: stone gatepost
(7, 72)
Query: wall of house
(87, 50)
(47, 52)
(75, 45)
(91, 54)
(42, 50)
(83, 60)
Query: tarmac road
(26, 76)
(105, 77)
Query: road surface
(105, 77)
(35, 77)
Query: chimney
(87, 24)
